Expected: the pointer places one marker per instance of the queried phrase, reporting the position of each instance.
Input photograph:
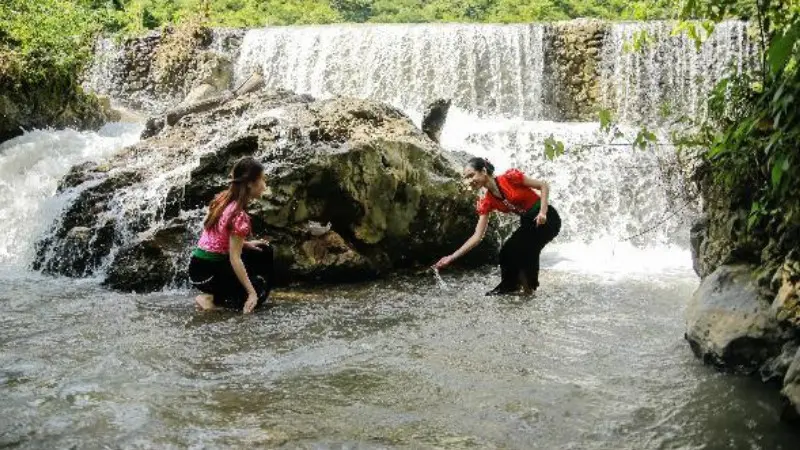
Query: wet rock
(202, 92)
(791, 392)
(392, 196)
(729, 325)
(154, 260)
(776, 368)
(697, 241)
(435, 117)
(572, 55)
(87, 230)
(157, 71)
(255, 82)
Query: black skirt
(216, 277)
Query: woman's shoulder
(514, 176)
(233, 212)
(484, 205)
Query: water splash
(30, 169)
(439, 280)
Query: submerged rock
(729, 324)
(391, 195)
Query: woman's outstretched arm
(475, 239)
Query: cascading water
(608, 192)
(668, 76)
(486, 69)
(30, 169)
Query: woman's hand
(541, 218)
(254, 245)
(444, 262)
(250, 304)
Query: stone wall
(572, 68)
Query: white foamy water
(492, 69)
(30, 168)
(604, 189)
(669, 76)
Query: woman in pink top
(231, 272)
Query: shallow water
(594, 361)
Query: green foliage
(752, 131)
(553, 148)
(47, 41)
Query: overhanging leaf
(605, 119)
(780, 50)
(777, 172)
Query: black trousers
(218, 278)
(519, 256)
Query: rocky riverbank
(745, 316)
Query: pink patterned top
(233, 220)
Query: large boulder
(392, 196)
(729, 324)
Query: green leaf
(777, 172)
(751, 221)
(605, 120)
(708, 26)
(780, 50)
(553, 148)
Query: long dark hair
(245, 171)
(479, 164)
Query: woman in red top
(511, 193)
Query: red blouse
(512, 185)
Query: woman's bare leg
(204, 302)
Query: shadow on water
(589, 362)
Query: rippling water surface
(594, 361)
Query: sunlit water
(594, 361)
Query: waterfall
(493, 70)
(600, 188)
(502, 81)
(31, 167)
(668, 76)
